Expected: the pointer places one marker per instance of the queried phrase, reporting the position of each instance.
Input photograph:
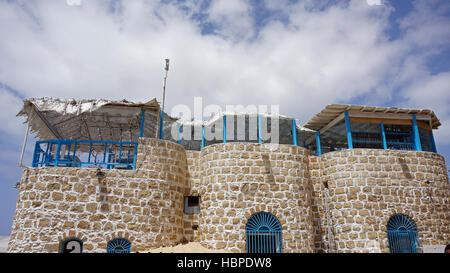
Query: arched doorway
(263, 234)
(402, 234)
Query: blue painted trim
(319, 149)
(259, 130)
(161, 125)
(203, 136)
(294, 133)
(224, 129)
(141, 128)
(417, 144)
(383, 136)
(433, 144)
(349, 132)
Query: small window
(191, 204)
(71, 245)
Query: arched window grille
(71, 245)
(402, 234)
(263, 234)
(119, 245)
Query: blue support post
(120, 153)
(135, 156)
(141, 129)
(294, 133)
(383, 136)
(179, 134)
(417, 144)
(36, 155)
(433, 144)
(319, 149)
(203, 136)
(104, 153)
(45, 161)
(58, 150)
(161, 124)
(349, 131)
(259, 129)
(224, 129)
(90, 152)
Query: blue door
(263, 234)
(402, 234)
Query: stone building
(119, 176)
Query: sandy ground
(3, 243)
(192, 247)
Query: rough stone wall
(145, 205)
(321, 222)
(235, 180)
(367, 187)
(193, 189)
(240, 179)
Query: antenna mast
(164, 84)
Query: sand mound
(192, 247)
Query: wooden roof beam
(46, 122)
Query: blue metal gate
(402, 234)
(263, 234)
(119, 245)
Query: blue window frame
(263, 234)
(119, 245)
(402, 234)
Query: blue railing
(85, 153)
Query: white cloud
(233, 17)
(374, 2)
(10, 105)
(328, 55)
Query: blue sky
(301, 55)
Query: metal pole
(23, 147)
(224, 129)
(319, 149)
(383, 136)
(164, 83)
(417, 143)
(141, 128)
(30, 114)
(349, 131)
(259, 129)
(294, 133)
(433, 144)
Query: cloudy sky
(298, 54)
